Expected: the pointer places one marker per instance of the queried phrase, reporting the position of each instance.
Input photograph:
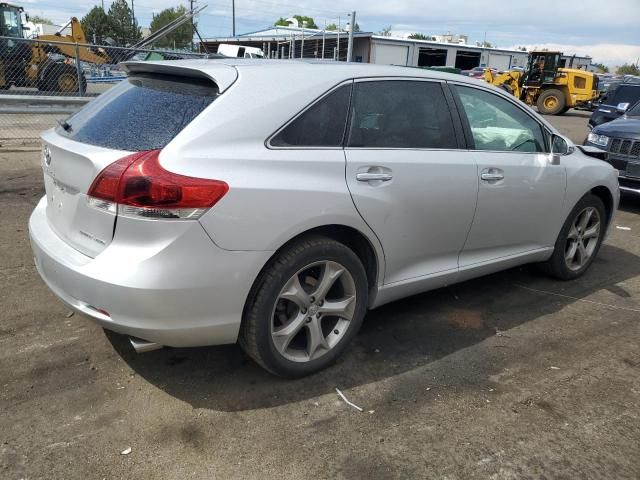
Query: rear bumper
(178, 289)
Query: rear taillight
(138, 186)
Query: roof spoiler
(222, 74)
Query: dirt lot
(510, 376)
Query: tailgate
(69, 169)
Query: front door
(521, 193)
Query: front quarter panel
(585, 173)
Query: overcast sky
(605, 29)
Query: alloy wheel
(582, 239)
(313, 311)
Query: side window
(400, 114)
(321, 125)
(498, 125)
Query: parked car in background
(621, 139)
(178, 213)
(478, 72)
(615, 102)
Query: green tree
(282, 22)
(420, 36)
(522, 48)
(332, 27)
(38, 19)
(356, 28)
(385, 32)
(628, 69)
(601, 68)
(125, 30)
(486, 45)
(97, 26)
(178, 38)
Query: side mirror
(622, 107)
(559, 147)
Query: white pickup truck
(239, 51)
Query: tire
(565, 110)
(62, 78)
(558, 265)
(551, 102)
(282, 317)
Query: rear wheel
(579, 240)
(551, 102)
(305, 308)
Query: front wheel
(579, 240)
(305, 308)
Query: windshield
(622, 94)
(143, 112)
(634, 111)
(10, 22)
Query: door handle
(492, 175)
(370, 176)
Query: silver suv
(273, 203)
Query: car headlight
(601, 140)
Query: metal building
(293, 42)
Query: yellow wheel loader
(547, 84)
(47, 67)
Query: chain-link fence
(43, 81)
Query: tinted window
(400, 114)
(634, 111)
(626, 94)
(141, 113)
(497, 124)
(321, 125)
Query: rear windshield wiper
(65, 125)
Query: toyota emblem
(47, 155)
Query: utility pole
(302, 41)
(324, 35)
(233, 18)
(338, 41)
(350, 44)
(192, 28)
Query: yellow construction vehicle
(47, 67)
(547, 84)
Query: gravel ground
(509, 376)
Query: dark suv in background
(615, 102)
(621, 139)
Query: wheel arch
(353, 238)
(604, 194)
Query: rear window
(321, 125)
(143, 112)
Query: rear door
(407, 176)
(521, 193)
(143, 112)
